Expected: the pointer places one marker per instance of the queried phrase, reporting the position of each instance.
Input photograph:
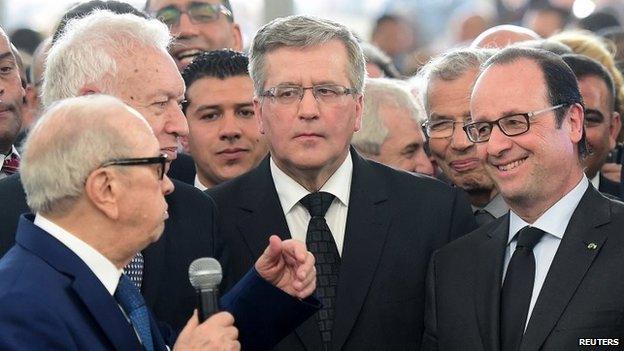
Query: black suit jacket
(183, 169)
(189, 234)
(582, 296)
(608, 186)
(395, 220)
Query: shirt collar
(103, 269)
(4, 157)
(555, 220)
(199, 184)
(596, 180)
(497, 207)
(290, 192)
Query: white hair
(69, 141)
(383, 92)
(88, 50)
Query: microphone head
(205, 273)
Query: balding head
(503, 35)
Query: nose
(459, 139)
(498, 142)
(167, 185)
(308, 106)
(230, 129)
(175, 122)
(184, 28)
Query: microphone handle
(207, 303)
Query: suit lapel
(88, 288)
(366, 230)
(571, 262)
(489, 272)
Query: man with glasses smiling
(368, 225)
(448, 81)
(547, 275)
(197, 26)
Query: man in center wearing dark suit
(370, 227)
(548, 275)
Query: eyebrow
(218, 106)
(7, 54)
(445, 117)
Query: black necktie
(518, 288)
(321, 244)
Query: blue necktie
(133, 304)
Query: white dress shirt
(596, 181)
(297, 217)
(104, 270)
(199, 184)
(554, 223)
(3, 157)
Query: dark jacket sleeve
(429, 339)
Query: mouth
(465, 165)
(511, 165)
(187, 56)
(308, 136)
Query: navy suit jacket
(395, 220)
(582, 296)
(50, 300)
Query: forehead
(451, 94)
(5, 46)
(149, 71)
(322, 63)
(156, 5)
(514, 87)
(215, 90)
(591, 86)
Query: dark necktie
(11, 164)
(134, 270)
(518, 288)
(321, 244)
(133, 304)
(483, 217)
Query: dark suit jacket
(50, 299)
(183, 169)
(582, 296)
(608, 186)
(395, 220)
(189, 234)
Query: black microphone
(205, 276)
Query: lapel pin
(592, 246)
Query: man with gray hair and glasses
(125, 56)
(391, 133)
(368, 225)
(447, 82)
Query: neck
(480, 198)
(530, 209)
(312, 179)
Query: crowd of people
(473, 205)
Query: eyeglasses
(440, 129)
(327, 94)
(198, 12)
(512, 125)
(140, 161)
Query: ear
(89, 90)
(237, 37)
(359, 105)
(102, 188)
(257, 104)
(577, 118)
(614, 129)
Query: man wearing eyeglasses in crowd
(198, 26)
(368, 225)
(546, 276)
(448, 81)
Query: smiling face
(602, 124)
(224, 139)
(535, 169)
(193, 38)
(456, 155)
(149, 82)
(309, 137)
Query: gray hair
(383, 92)
(67, 143)
(303, 32)
(88, 50)
(450, 66)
